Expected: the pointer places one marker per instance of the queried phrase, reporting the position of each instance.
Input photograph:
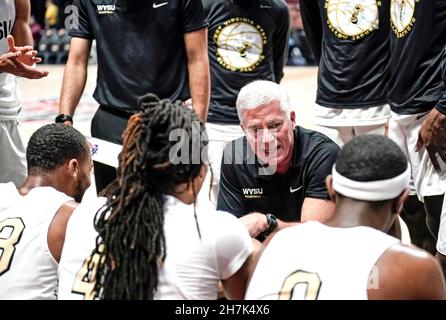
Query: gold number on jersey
(86, 277)
(13, 227)
(312, 281)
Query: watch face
(272, 221)
(352, 18)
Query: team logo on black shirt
(402, 16)
(252, 193)
(105, 6)
(352, 19)
(240, 44)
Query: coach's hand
(432, 135)
(255, 223)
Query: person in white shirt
(33, 217)
(14, 61)
(145, 239)
(351, 256)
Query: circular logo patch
(240, 45)
(402, 16)
(352, 18)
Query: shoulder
(312, 137)
(312, 142)
(413, 257)
(9, 194)
(407, 272)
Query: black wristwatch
(61, 118)
(272, 224)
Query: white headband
(378, 190)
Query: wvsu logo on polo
(106, 8)
(252, 192)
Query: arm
(230, 198)
(317, 209)
(58, 228)
(235, 286)
(311, 18)
(256, 223)
(198, 67)
(407, 273)
(433, 129)
(316, 205)
(280, 43)
(235, 252)
(75, 75)
(21, 30)
(19, 65)
(431, 136)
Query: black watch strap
(272, 224)
(61, 118)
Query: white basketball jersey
(9, 101)
(192, 267)
(27, 268)
(315, 262)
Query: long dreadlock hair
(130, 225)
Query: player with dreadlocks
(148, 245)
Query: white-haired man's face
(269, 132)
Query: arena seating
(54, 46)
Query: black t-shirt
(243, 189)
(350, 39)
(417, 39)
(247, 41)
(140, 47)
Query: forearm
(314, 209)
(75, 77)
(200, 87)
(198, 68)
(282, 224)
(22, 34)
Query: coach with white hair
(275, 175)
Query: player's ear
(293, 117)
(330, 189)
(399, 202)
(73, 167)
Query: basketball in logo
(352, 17)
(239, 46)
